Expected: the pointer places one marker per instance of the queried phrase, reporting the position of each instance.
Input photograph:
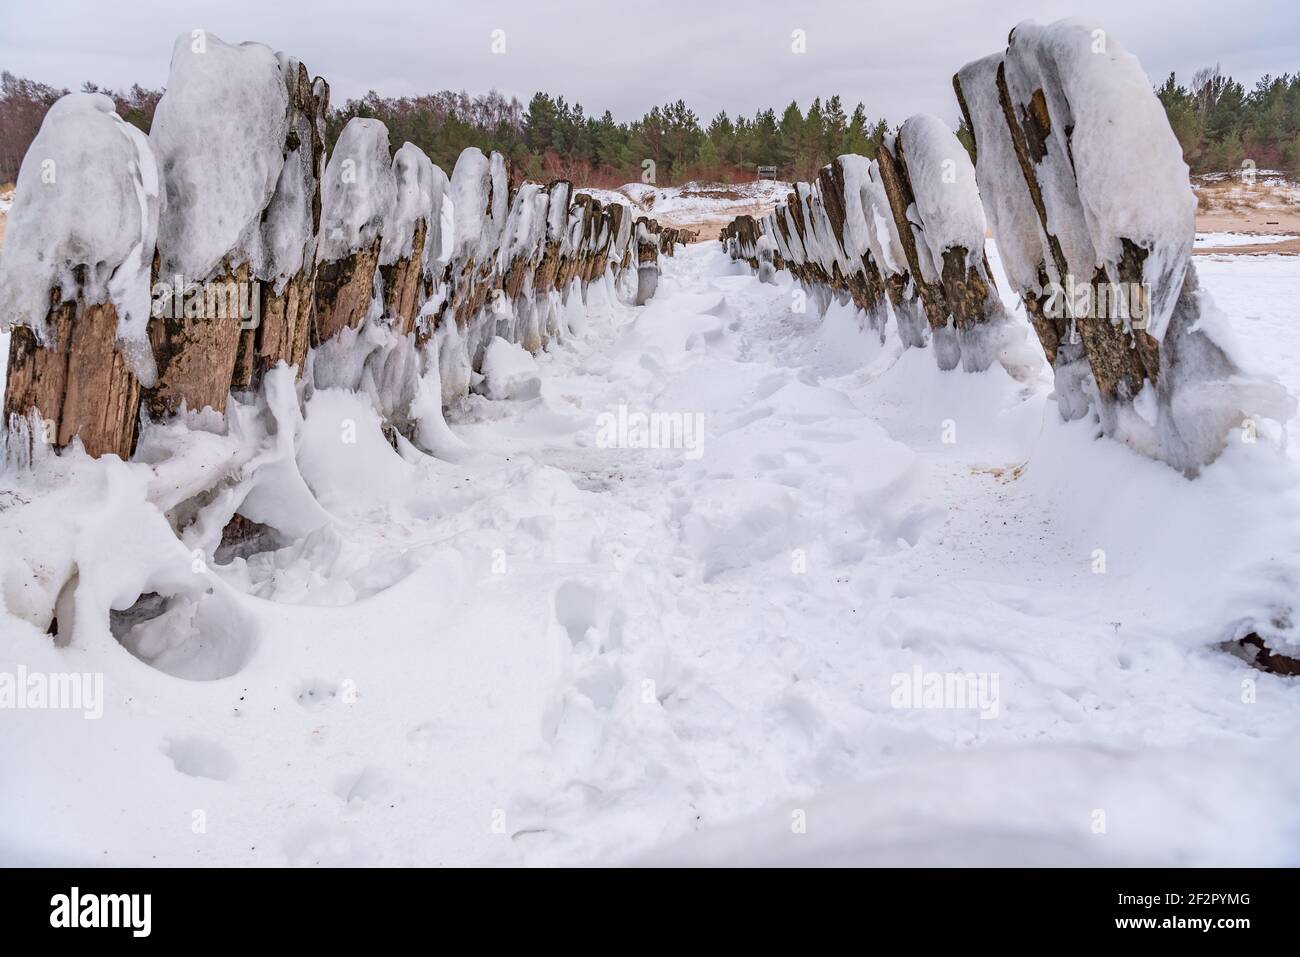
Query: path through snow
(552, 651)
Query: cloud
(896, 59)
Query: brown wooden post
(898, 188)
(283, 330)
(67, 377)
(78, 384)
(1116, 367)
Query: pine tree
(836, 128)
(790, 132)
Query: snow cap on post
(86, 207)
(219, 134)
(943, 186)
(358, 190)
(438, 237)
(291, 224)
(1132, 181)
(1008, 206)
(471, 184)
(414, 181)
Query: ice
(765, 247)
(553, 598)
(1132, 181)
(288, 228)
(358, 190)
(471, 184)
(1025, 74)
(509, 372)
(557, 216)
(499, 207)
(1011, 214)
(886, 230)
(418, 193)
(219, 134)
(437, 244)
(87, 199)
(525, 229)
(943, 182)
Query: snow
(219, 134)
(358, 190)
(555, 643)
(1131, 180)
(608, 197)
(1128, 165)
(693, 201)
(437, 243)
(471, 183)
(695, 204)
(288, 229)
(525, 231)
(417, 191)
(1011, 215)
(87, 196)
(892, 259)
(509, 371)
(1224, 240)
(1258, 290)
(943, 181)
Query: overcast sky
(898, 58)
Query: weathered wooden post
(924, 273)
(290, 229)
(219, 133)
(861, 243)
(952, 230)
(74, 282)
(358, 195)
(1043, 147)
(1115, 228)
(903, 293)
(518, 258)
(480, 189)
(647, 259)
(406, 247)
(546, 281)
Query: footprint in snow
(316, 694)
(199, 758)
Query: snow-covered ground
(695, 200)
(1217, 240)
(554, 648)
(1259, 188)
(705, 207)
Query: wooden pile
(538, 247)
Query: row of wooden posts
(74, 383)
(1120, 218)
(826, 235)
(1082, 185)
